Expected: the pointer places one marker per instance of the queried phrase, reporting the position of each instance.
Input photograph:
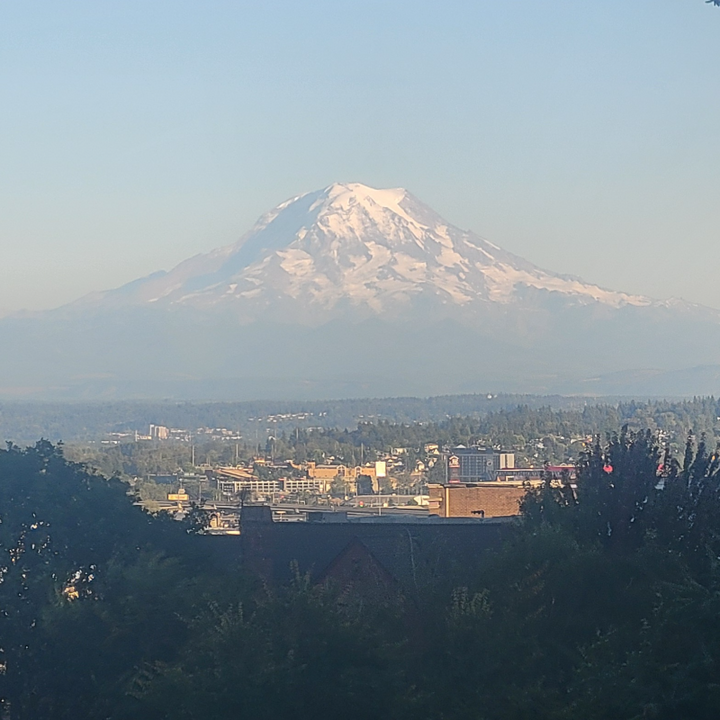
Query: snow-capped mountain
(353, 291)
(352, 246)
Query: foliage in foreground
(601, 604)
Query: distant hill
(71, 422)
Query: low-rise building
(471, 465)
(317, 486)
(234, 480)
(480, 500)
(519, 474)
(229, 486)
(326, 472)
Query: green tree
(301, 651)
(70, 542)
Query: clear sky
(584, 136)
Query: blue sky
(581, 135)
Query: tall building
(472, 465)
(159, 432)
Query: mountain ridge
(373, 248)
(355, 291)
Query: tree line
(537, 435)
(84, 422)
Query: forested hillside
(73, 422)
(537, 435)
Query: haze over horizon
(353, 291)
(579, 136)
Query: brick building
(481, 500)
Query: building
(229, 486)
(159, 432)
(408, 555)
(233, 481)
(164, 478)
(472, 465)
(327, 472)
(316, 486)
(359, 480)
(367, 477)
(520, 474)
(480, 500)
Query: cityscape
(482, 482)
(359, 360)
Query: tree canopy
(602, 603)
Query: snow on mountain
(349, 292)
(357, 246)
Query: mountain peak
(350, 245)
(345, 195)
(366, 288)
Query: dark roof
(416, 555)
